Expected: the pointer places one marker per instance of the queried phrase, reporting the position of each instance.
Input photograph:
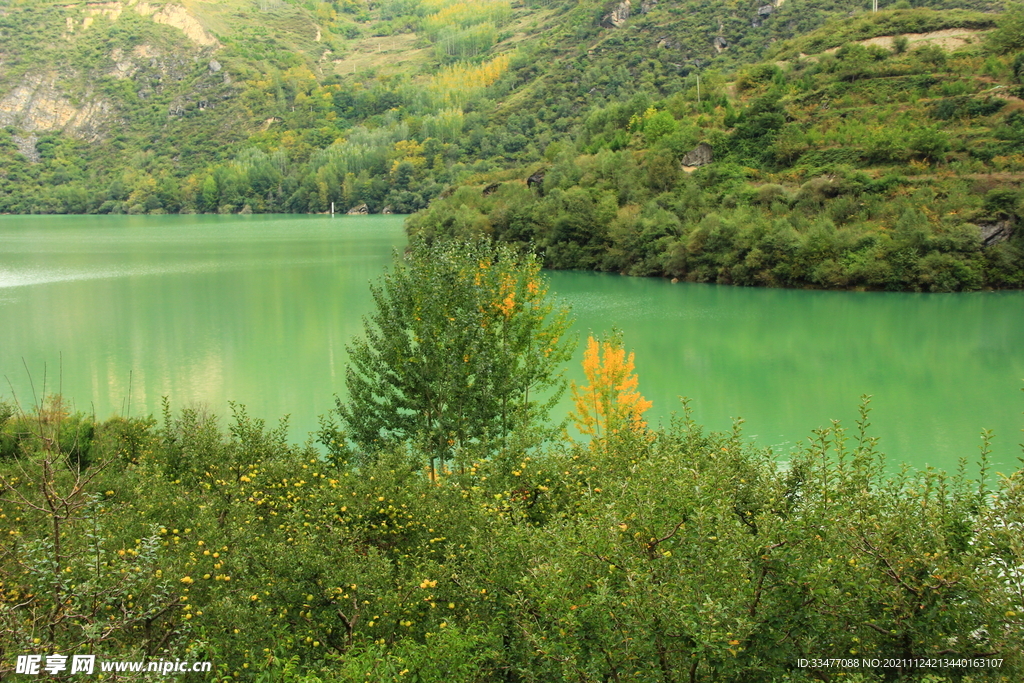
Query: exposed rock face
(994, 233)
(765, 10)
(536, 180)
(719, 43)
(171, 15)
(700, 155)
(109, 10)
(127, 65)
(387, 210)
(63, 101)
(178, 17)
(360, 210)
(618, 16)
(36, 104)
(647, 5)
(491, 189)
(27, 147)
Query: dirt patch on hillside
(385, 54)
(948, 39)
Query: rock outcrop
(176, 16)
(994, 233)
(180, 18)
(27, 147)
(536, 180)
(618, 16)
(37, 105)
(700, 155)
(359, 210)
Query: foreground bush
(675, 555)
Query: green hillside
(891, 163)
(820, 121)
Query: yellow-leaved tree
(610, 403)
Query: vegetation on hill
(892, 164)
(868, 167)
(632, 555)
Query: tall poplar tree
(464, 348)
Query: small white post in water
(332, 208)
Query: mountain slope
(862, 167)
(850, 149)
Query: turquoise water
(116, 312)
(939, 367)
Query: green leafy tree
(464, 350)
(1009, 34)
(211, 194)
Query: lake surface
(258, 310)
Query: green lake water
(258, 309)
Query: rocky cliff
(39, 104)
(69, 84)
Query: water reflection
(940, 368)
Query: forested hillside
(883, 164)
(833, 131)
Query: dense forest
(866, 167)
(829, 146)
(441, 527)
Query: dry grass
(948, 39)
(385, 55)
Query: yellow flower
(187, 580)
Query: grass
(385, 55)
